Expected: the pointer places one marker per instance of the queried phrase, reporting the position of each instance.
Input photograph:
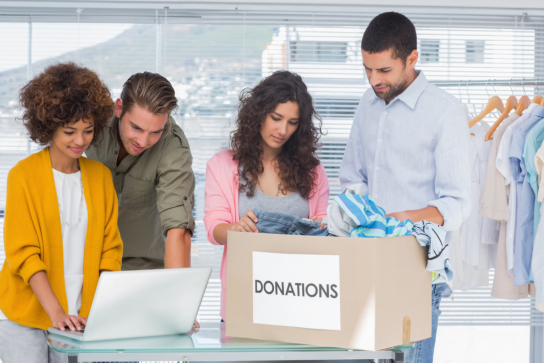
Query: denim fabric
(322, 233)
(281, 223)
(423, 351)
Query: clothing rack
(491, 82)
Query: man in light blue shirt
(408, 143)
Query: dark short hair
(390, 31)
(62, 94)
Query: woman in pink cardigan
(272, 163)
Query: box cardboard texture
(385, 298)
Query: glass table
(208, 343)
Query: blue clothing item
(524, 223)
(370, 218)
(411, 153)
(423, 351)
(533, 142)
(322, 233)
(281, 223)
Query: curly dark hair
(298, 156)
(62, 94)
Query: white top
(503, 166)
(474, 246)
(73, 218)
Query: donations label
(296, 290)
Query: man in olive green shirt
(150, 161)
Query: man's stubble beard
(394, 91)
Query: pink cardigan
(221, 202)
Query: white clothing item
(489, 228)
(474, 245)
(438, 255)
(479, 235)
(466, 277)
(73, 218)
(339, 223)
(503, 166)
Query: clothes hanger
(537, 99)
(494, 103)
(511, 103)
(523, 103)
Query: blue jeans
(423, 351)
(281, 223)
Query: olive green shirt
(155, 190)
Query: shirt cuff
(109, 265)
(452, 214)
(177, 217)
(30, 268)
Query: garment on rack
(370, 219)
(538, 260)
(438, 255)
(281, 223)
(538, 250)
(475, 248)
(523, 236)
(503, 166)
(533, 142)
(494, 205)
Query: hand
(197, 325)
(246, 223)
(72, 322)
(402, 216)
(316, 219)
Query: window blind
(211, 55)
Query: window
(335, 107)
(430, 51)
(474, 51)
(211, 61)
(308, 51)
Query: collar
(412, 93)
(113, 124)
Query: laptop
(132, 304)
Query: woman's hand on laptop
(72, 322)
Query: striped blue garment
(370, 218)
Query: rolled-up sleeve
(175, 188)
(452, 181)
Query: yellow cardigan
(33, 237)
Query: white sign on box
(296, 290)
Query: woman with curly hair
(60, 225)
(272, 163)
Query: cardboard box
(354, 293)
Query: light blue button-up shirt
(412, 153)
